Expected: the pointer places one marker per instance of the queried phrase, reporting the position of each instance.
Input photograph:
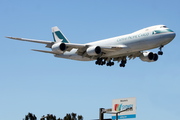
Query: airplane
(112, 49)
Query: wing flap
(74, 45)
(113, 48)
(83, 47)
(129, 55)
(80, 47)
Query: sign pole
(116, 116)
(101, 116)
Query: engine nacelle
(93, 50)
(59, 47)
(149, 57)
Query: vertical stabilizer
(58, 35)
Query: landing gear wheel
(123, 63)
(160, 53)
(100, 61)
(120, 65)
(110, 63)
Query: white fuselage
(145, 39)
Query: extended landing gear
(160, 52)
(110, 63)
(123, 63)
(101, 61)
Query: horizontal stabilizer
(52, 52)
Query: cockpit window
(163, 27)
(162, 31)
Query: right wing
(44, 51)
(105, 49)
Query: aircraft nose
(174, 35)
(171, 34)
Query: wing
(83, 48)
(132, 55)
(48, 43)
(80, 47)
(106, 49)
(44, 51)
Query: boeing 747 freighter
(112, 49)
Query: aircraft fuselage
(141, 40)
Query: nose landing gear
(160, 52)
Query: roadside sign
(124, 104)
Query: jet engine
(93, 50)
(59, 47)
(148, 57)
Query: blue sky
(42, 84)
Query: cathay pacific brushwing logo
(58, 37)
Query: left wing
(48, 43)
(82, 48)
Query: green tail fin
(58, 35)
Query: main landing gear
(123, 62)
(101, 61)
(160, 52)
(110, 63)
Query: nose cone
(173, 35)
(168, 36)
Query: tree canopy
(72, 116)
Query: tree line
(72, 116)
